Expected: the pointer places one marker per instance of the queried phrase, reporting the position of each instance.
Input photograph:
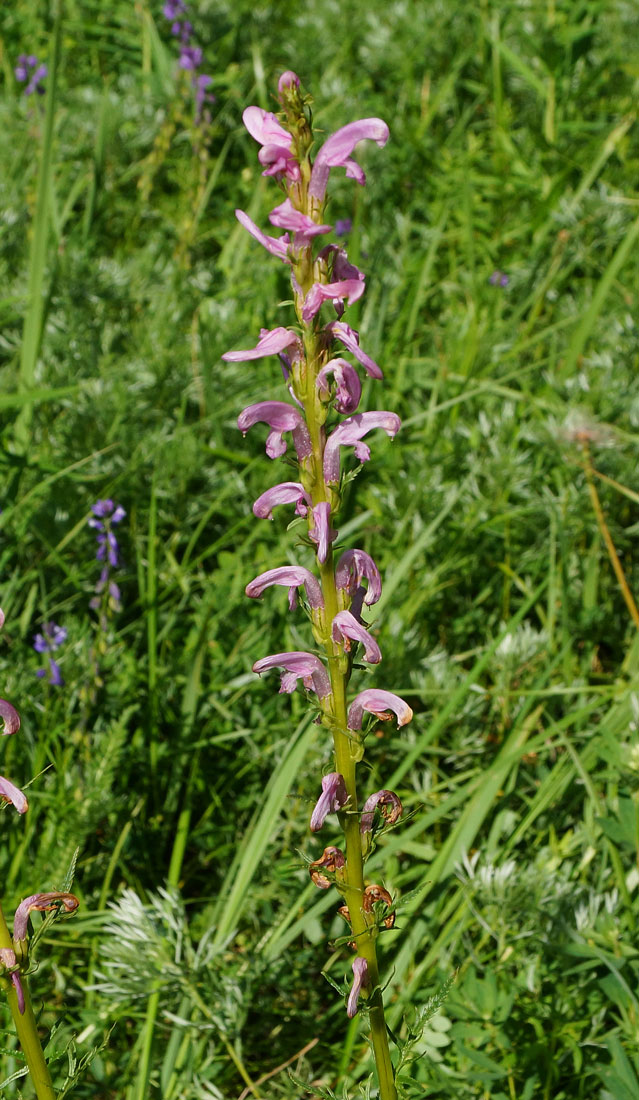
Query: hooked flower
(353, 567)
(281, 418)
(347, 336)
(41, 903)
(348, 386)
(379, 703)
(287, 492)
(360, 980)
(336, 153)
(271, 342)
(389, 806)
(346, 628)
(297, 666)
(292, 575)
(334, 797)
(11, 724)
(349, 434)
(276, 143)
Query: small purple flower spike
(336, 152)
(8, 959)
(390, 808)
(349, 434)
(40, 902)
(360, 980)
(293, 576)
(322, 533)
(271, 342)
(346, 628)
(343, 227)
(281, 418)
(379, 703)
(352, 568)
(288, 492)
(304, 666)
(334, 797)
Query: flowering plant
(324, 387)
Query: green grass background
(182, 781)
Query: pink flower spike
(379, 703)
(13, 795)
(8, 959)
(288, 492)
(41, 902)
(271, 342)
(10, 716)
(277, 246)
(336, 152)
(285, 216)
(349, 387)
(390, 808)
(360, 979)
(293, 576)
(296, 665)
(333, 797)
(352, 568)
(322, 533)
(350, 433)
(281, 418)
(350, 339)
(346, 628)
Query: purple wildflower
(293, 576)
(10, 725)
(271, 342)
(360, 980)
(343, 227)
(349, 434)
(352, 568)
(275, 155)
(322, 533)
(334, 797)
(106, 514)
(173, 9)
(51, 638)
(28, 69)
(297, 666)
(348, 386)
(190, 57)
(498, 278)
(347, 336)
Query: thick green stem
(27, 1029)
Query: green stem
(27, 1028)
(346, 756)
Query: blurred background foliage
(185, 784)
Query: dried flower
(40, 902)
(332, 860)
(389, 806)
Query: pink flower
(379, 703)
(360, 980)
(349, 387)
(390, 808)
(347, 336)
(346, 628)
(277, 246)
(296, 665)
(11, 724)
(349, 434)
(322, 533)
(276, 143)
(352, 568)
(333, 797)
(285, 216)
(10, 716)
(41, 902)
(281, 418)
(288, 79)
(293, 576)
(271, 342)
(336, 152)
(288, 492)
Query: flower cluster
(324, 424)
(176, 12)
(106, 516)
(48, 640)
(32, 72)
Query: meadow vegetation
(173, 784)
